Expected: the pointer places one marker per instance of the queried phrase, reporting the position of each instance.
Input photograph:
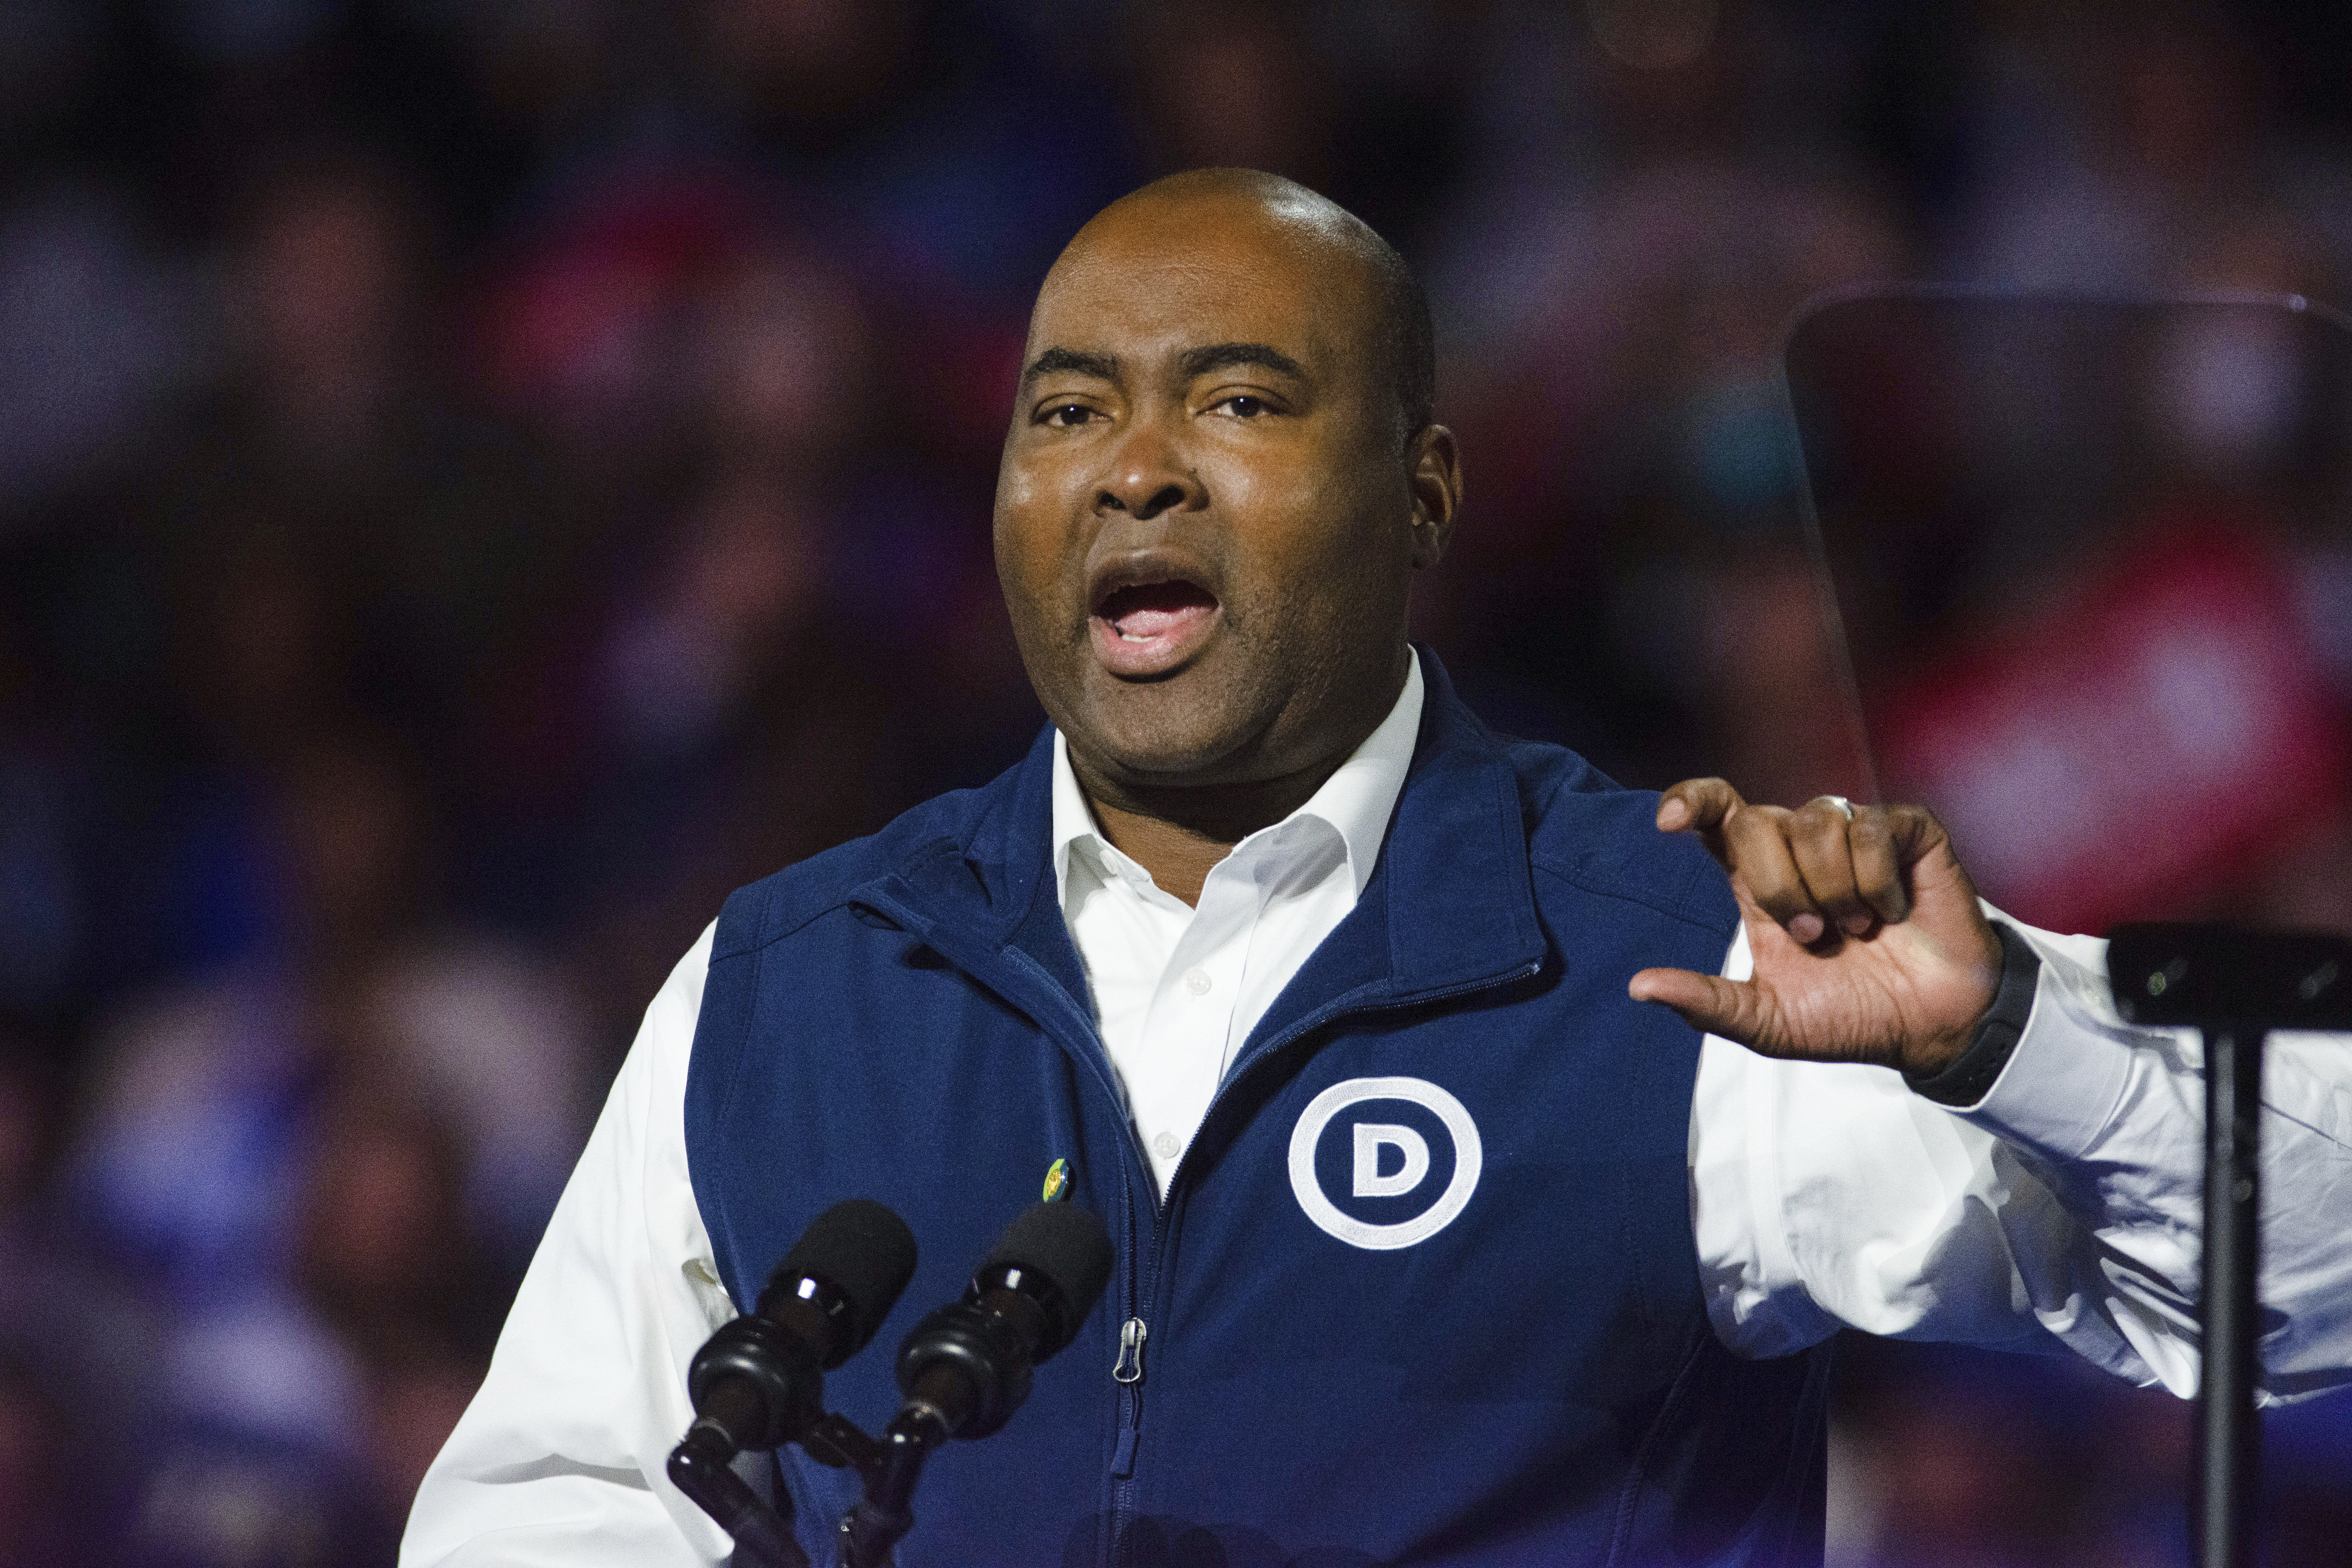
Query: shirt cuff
(1969, 1077)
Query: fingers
(1821, 839)
(1700, 806)
(1876, 843)
(1706, 1002)
(1815, 869)
(1913, 833)
(1760, 852)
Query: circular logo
(1374, 1141)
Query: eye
(1245, 405)
(1064, 416)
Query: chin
(1149, 740)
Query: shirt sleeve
(559, 1458)
(2060, 1211)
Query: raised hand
(1868, 939)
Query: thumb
(1706, 1002)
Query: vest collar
(1449, 908)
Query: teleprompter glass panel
(2091, 564)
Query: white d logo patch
(1373, 1141)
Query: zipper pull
(1126, 1374)
(1130, 1353)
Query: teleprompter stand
(2233, 985)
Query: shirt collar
(1357, 801)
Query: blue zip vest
(1423, 1289)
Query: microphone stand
(699, 1467)
(2233, 985)
(890, 1466)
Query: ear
(1433, 471)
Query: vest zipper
(1130, 1368)
(1126, 1372)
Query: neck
(1179, 832)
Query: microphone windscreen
(864, 1251)
(1067, 1245)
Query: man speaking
(1446, 1232)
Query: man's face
(1205, 526)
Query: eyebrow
(1230, 356)
(1193, 362)
(1056, 362)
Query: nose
(1148, 475)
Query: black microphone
(967, 1366)
(761, 1379)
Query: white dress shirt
(2060, 1210)
(1178, 990)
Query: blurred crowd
(481, 479)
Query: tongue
(1144, 624)
(1156, 609)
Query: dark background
(481, 479)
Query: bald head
(1399, 342)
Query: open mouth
(1151, 610)
(1144, 628)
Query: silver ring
(1841, 802)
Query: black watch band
(1970, 1076)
